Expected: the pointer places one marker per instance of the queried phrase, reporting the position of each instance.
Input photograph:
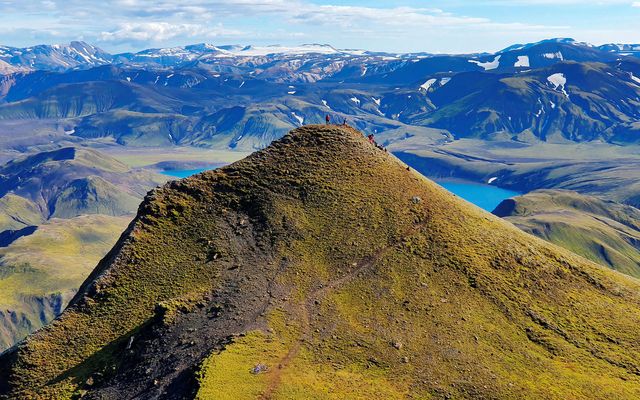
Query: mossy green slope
(330, 270)
(603, 231)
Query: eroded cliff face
(6, 82)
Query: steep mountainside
(55, 57)
(603, 231)
(568, 101)
(60, 212)
(322, 268)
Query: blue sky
(453, 26)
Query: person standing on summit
(327, 119)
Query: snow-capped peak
(255, 51)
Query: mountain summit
(322, 268)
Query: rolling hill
(602, 231)
(321, 268)
(69, 182)
(41, 272)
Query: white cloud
(131, 24)
(560, 2)
(163, 31)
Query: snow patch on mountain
(488, 66)
(355, 100)
(523, 61)
(324, 102)
(635, 78)
(541, 110)
(559, 81)
(256, 51)
(552, 56)
(427, 85)
(299, 118)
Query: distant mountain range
(81, 55)
(237, 97)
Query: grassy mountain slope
(603, 231)
(60, 212)
(40, 273)
(17, 212)
(330, 271)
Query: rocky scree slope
(322, 268)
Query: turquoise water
(184, 173)
(484, 196)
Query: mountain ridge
(79, 54)
(326, 268)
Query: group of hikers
(371, 138)
(328, 120)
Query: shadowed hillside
(322, 268)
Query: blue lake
(184, 173)
(484, 196)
